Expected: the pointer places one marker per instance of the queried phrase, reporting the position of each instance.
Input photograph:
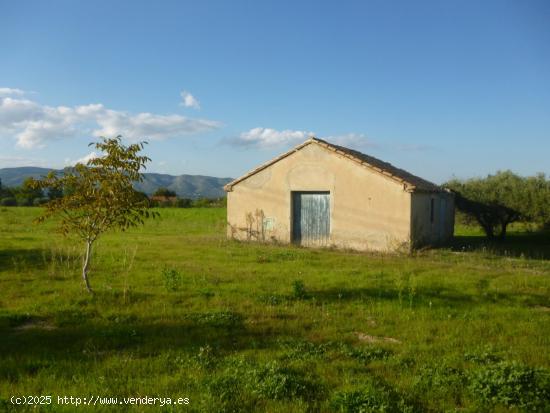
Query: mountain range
(185, 186)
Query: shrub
(10, 201)
(511, 384)
(279, 383)
(39, 201)
(228, 394)
(183, 202)
(299, 290)
(440, 382)
(370, 398)
(201, 203)
(243, 384)
(23, 200)
(301, 349)
(172, 279)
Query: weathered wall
(424, 231)
(368, 211)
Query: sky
(440, 88)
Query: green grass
(180, 311)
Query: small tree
(99, 196)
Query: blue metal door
(311, 218)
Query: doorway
(311, 217)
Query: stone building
(320, 194)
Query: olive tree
(494, 202)
(99, 196)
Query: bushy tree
(164, 192)
(54, 193)
(537, 200)
(27, 193)
(99, 196)
(184, 202)
(500, 199)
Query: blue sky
(440, 88)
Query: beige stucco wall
(424, 231)
(368, 211)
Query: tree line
(166, 198)
(498, 200)
(28, 195)
(492, 202)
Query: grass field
(180, 311)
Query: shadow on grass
(426, 295)
(27, 337)
(534, 245)
(15, 259)
(18, 259)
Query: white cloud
(33, 124)
(150, 126)
(267, 137)
(352, 140)
(84, 160)
(7, 91)
(189, 101)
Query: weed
(272, 299)
(299, 291)
(279, 383)
(511, 384)
(285, 256)
(216, 319)
(405, 284)
(244, 383)
(440, 382)
(207, 293)
(172, 279)
(147, 338)
(228, 392)
(370, 398)
(206, 358)
(483, 355)
(301, 349)
(365, 354)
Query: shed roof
(411, 182)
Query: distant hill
(186, 186)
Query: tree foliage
(500, 199)
(99, 196)
(165, 192)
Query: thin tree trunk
(503, 226)
(85, 266)
(487, 228)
